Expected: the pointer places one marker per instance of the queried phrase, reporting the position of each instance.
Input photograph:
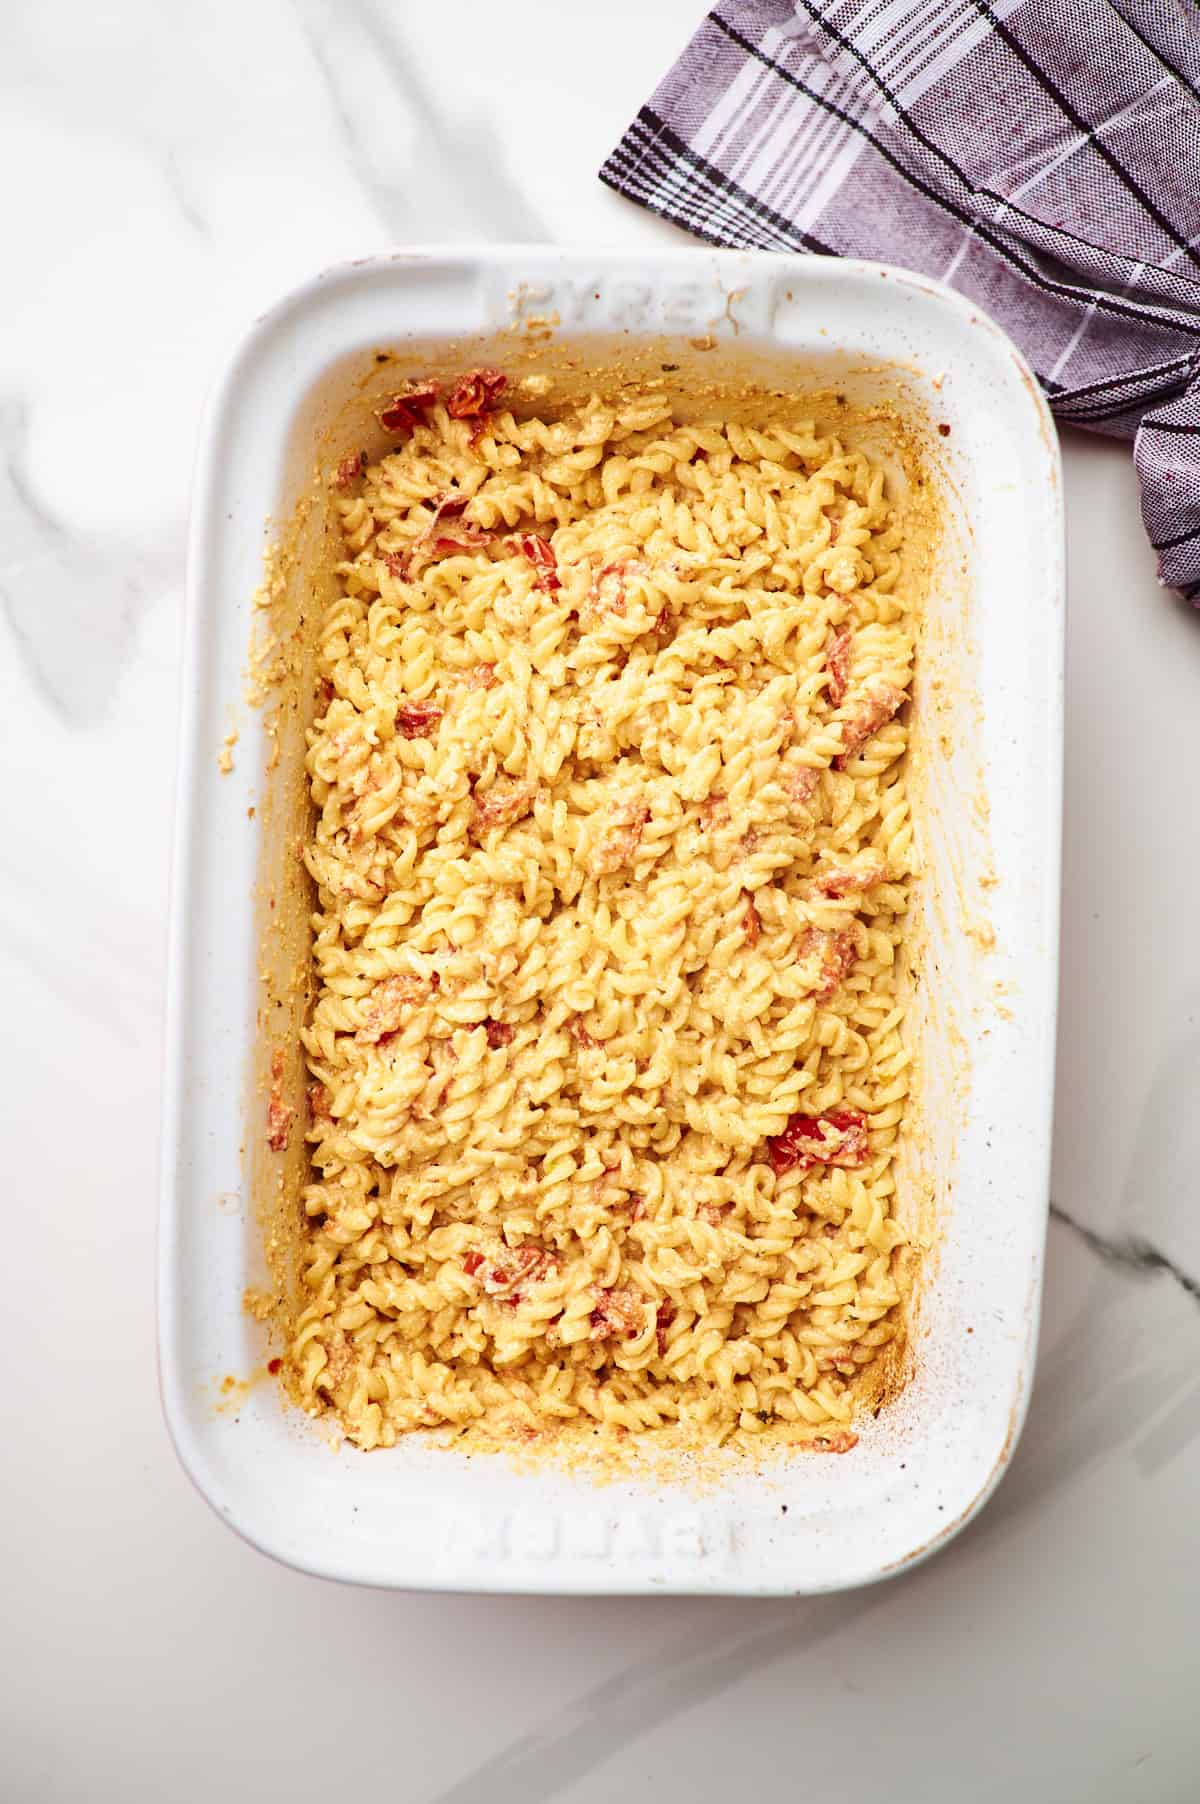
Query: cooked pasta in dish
(612, 851)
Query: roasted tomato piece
(838, 1138)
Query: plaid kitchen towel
(1041, 155)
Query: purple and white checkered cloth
(1041, 155)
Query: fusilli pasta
(612, 853)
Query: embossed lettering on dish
(634, 1537)
(627, 303)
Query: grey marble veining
(1130, 1253)
(72, 597)
(432, 170)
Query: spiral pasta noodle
(612, 854)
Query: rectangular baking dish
(990, 693)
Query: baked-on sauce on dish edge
(612, 849)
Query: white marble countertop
(171, 169)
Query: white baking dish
(417, 1516)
